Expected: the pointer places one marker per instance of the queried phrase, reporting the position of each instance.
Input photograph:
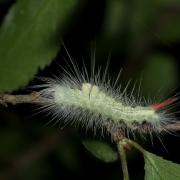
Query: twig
(122, 154)
(173, 127)
(34, 97)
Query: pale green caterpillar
(94, 103)
(91, 98)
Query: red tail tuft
(165, 103)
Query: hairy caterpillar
(95, 102)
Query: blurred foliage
(164, 76)
(102, 150)
(29, 39)
(3, 1)
(144, 38)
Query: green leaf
(157, 168)
(101, 149)
(30, 39)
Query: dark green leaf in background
(165, 3)
(101, 149)
(170, 28)
(30, 39)
(159, 76)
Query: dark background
(143, 38)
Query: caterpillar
(96, 102)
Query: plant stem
(122, 155)
(34, 97)
(136, 145)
